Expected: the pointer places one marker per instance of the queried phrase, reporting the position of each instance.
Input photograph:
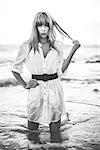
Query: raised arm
(68, 59)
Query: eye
(41, 24)
(46, 24)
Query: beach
(81, 85)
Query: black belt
(45, 77)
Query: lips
(43, 34)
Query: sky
(80, 18)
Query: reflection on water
(81, 84)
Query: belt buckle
(45, 77)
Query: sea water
(81, 84)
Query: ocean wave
(88, 81)
(93, 61)
(8, 82)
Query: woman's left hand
(76, 45)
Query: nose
(43, 27)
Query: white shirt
(45, 102)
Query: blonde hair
(44, 18)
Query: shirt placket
(44, 88)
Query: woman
(43, 57)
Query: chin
(43, 36)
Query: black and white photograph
(49, 75)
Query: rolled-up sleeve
(17, 65)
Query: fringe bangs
(42, 19)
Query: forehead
(42, 19)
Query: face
(43, 31)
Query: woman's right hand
(31, 84)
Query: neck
(43, 40)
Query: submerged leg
(33, 133)
(55, 134)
